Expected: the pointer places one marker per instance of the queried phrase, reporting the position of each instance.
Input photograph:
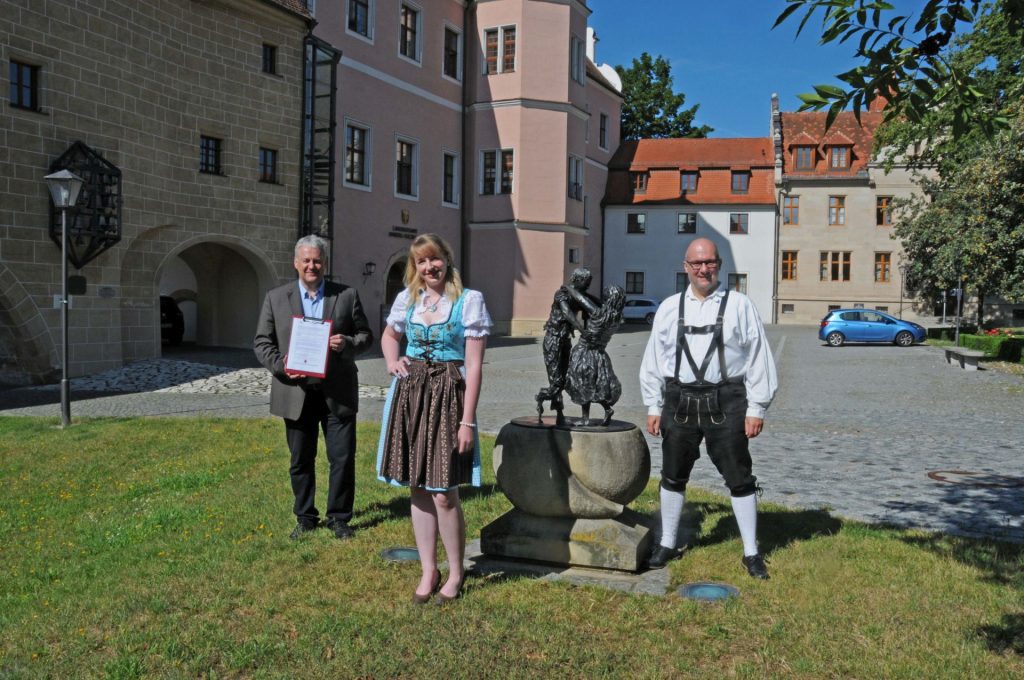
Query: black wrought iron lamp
(64, 186)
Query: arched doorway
(218, 291)
(395, 282)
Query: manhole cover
(979, 479)
(400, 554)
(709, 592)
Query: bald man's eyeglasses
(697, 265)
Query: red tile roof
(713, 159)
(808, 129)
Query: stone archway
(28, 351)
(228, 277)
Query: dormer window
(839, 157)
(804, 158)
(687, 182)
(639, 180)
(740, 182)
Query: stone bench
(967, 359)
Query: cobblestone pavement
(870, 432)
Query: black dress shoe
(340, 528)
(755, 566)
(661, 556)
(300, 530)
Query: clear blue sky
(724, 54)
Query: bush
(1000, 347)
(948, 332)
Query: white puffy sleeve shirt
(475, 318)
(747, 352)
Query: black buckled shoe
(340, 528)
(755, 566)
(661, 556)
(301, 529)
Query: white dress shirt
(747, 353)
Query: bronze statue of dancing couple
(584, 370)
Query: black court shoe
(661, 556)
(755, 566)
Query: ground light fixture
(708, 592)
(64, 186)
(400, 554)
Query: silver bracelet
(470, 425)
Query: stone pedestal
(570, 487)
(621, 543)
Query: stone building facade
(149, 85)
(836, 247)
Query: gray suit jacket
(273, 333)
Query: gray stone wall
(140, 82)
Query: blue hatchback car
(866, 325)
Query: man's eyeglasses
(710, 264)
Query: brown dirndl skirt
(421, 446)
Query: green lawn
(137, 548)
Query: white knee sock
(671, 511)
(745, 510)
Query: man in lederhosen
(707, 374)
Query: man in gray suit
(307, 404)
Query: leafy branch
(908, 67)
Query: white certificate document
(308, 347)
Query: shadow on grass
(1005, 637)
(775, 529)
(998, 562)
(397, 507)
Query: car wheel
(649, 319)
(904, 339)
(835, 339)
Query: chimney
(591, 44)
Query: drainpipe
(463, 157)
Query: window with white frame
(496, 175)
(500, 50)
(738, 283)
(357, 157)
(577, 60)
(451, 63)
(574, 255)
(406, 168)
(450, 179)
(686, 223)
(738, 223)
(575, 178)
(602, 138)
(360, 18)
(409, 31)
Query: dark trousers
(340, 441)
(688, 417)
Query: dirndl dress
(419, 432)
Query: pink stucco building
(486, 121)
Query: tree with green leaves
(968, 228)
(910, 64)
(651, 108)
(954, 81)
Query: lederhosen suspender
(717, 344)
(700, 397)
